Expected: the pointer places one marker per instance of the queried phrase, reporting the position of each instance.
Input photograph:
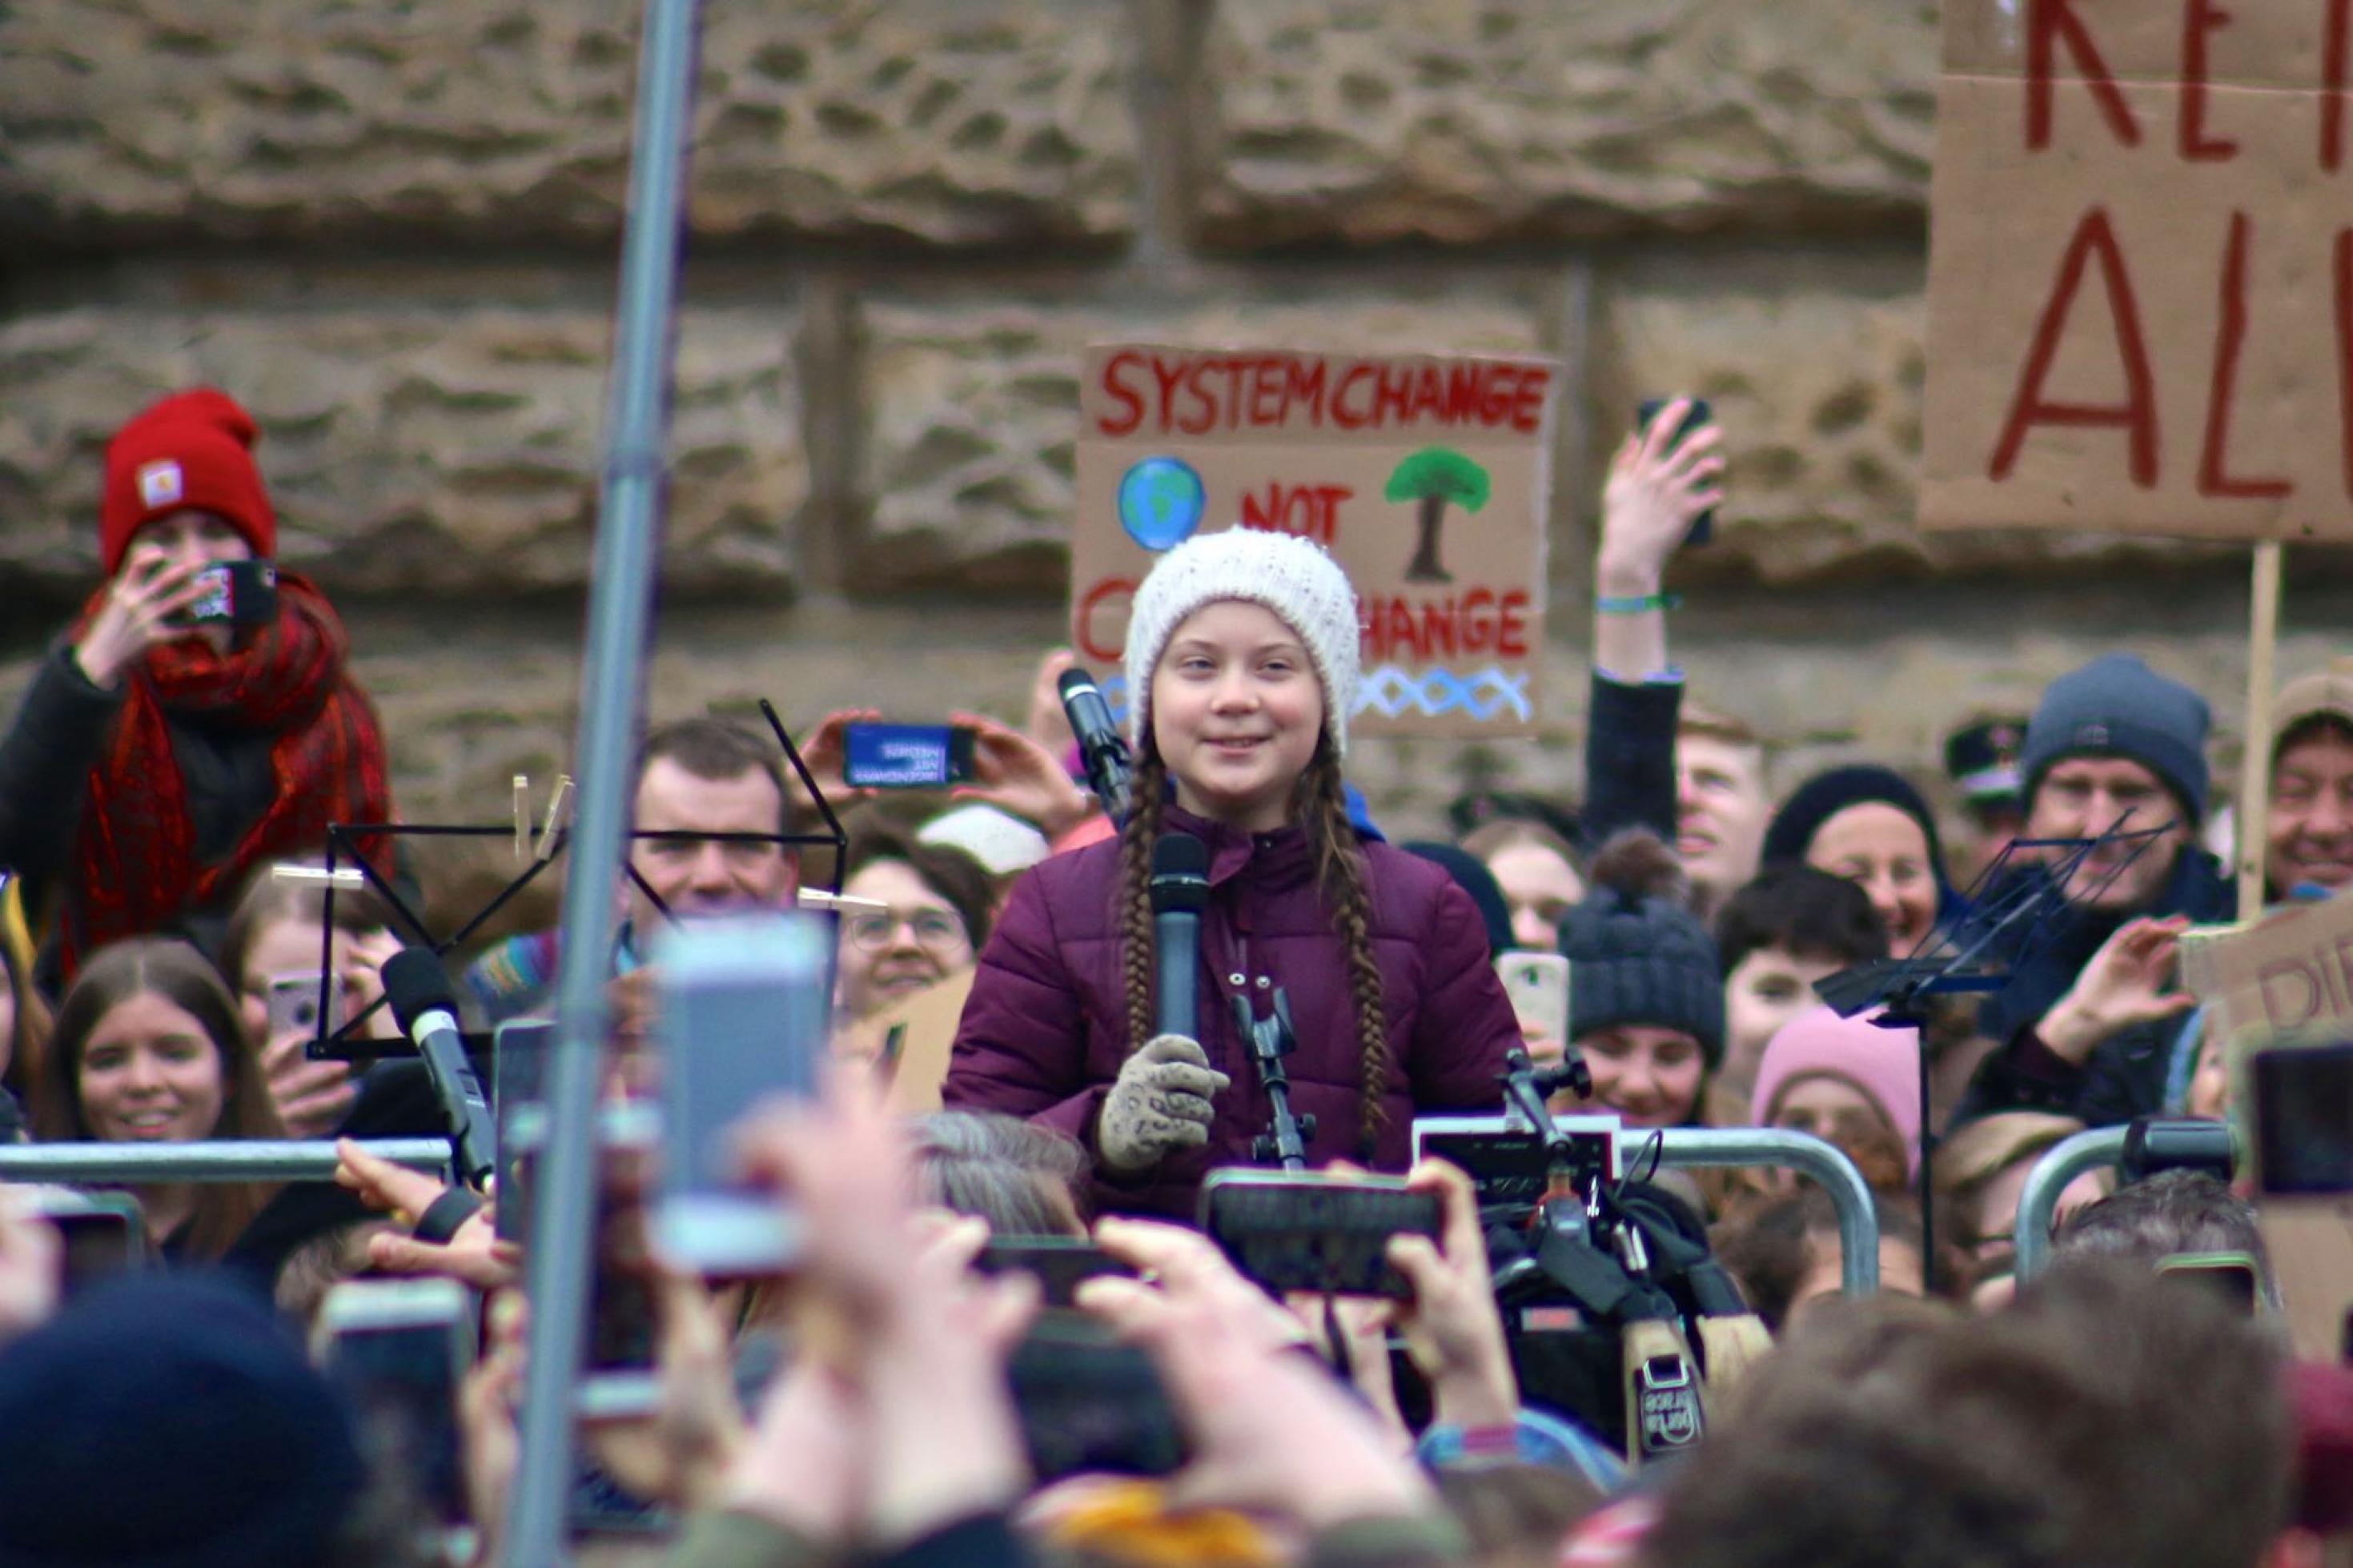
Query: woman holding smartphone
(183, 730)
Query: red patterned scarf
(135, 867)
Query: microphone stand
(1271, 1039)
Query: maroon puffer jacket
(1044, 1032)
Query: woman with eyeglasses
(936, 916)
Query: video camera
(1605, 1282)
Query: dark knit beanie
(1826, 794)
(162, 1418)
(1471, 874)
(1636, 954)
(2116, 705)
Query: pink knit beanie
(1884, 1064)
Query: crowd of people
(1003, 1072)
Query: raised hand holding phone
(142, 610)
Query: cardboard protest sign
(1425, 476)
(2140, 282)
(2286, 979)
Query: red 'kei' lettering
(1111, 591)
(2200, 17)
(2342, 267)
(2047, 22)
(2230, 336)
(2332, 84)
(1311, 511)
(2138, 414)
(1477, 621)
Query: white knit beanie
(1292, 576)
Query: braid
(1340, 873)
(1148, 791)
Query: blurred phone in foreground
(104, 1233)
(2298, 1106)
(1060, 1264)
(1090, 1404)
(1325, 1234)
(745, 1009)
(519, 1068)
(2231, 1278)
(619, 1378)
(398, 1349)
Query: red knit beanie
(192, 449)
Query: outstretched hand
(1451, 1328)
(1658, 487)
(826, 754)
(140, 610)
(1270, 1433)
(2128, 982)
(473, 1254)
(1015, 773)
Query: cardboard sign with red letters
(1427, 476)
(2140, 283)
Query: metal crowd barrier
(2037, 1201)
(1718, 1148)
(215, 1160)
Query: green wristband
(1636, 604)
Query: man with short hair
(1722, 806)
(2089, 1021)
(700, 782)
(2172, 1214)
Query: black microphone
(1100, 746)
(419, 990)
(1180, 891)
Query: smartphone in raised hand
(745, 1007)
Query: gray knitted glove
(1160, 1103)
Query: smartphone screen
(1537, 984)
(905, 756)
(1292, 1231)
(2303, 1114)
(398, 1349)
(235, 593)
(1700, 414)
(518, 1071)
(744, 1013)
(294, 1004)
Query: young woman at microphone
(1241, 671)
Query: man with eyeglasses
(700, 782)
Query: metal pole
(2037, 1201)
(620, 604)
(213, 1160)
(1700, 1148)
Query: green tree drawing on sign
(1433, 477)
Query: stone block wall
(392, 231)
